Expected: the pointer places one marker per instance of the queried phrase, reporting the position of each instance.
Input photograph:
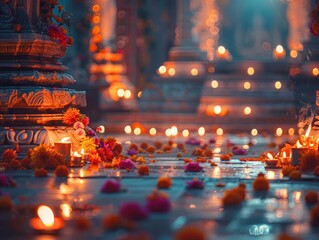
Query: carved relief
(41, 98)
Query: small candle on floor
(46, 222)
(64, 147)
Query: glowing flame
(308, 131)
(298, 144)
(75, 154)
(65, 140)
(66, 210)
(270, 156)
(46, 215)
(284, 154)
(82, 151)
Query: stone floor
(282, 209)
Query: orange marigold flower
(295, 175)
(311, 197)
(225, 157)
(61, 171)
(143, 170)
(40, 172)
(25, 162)
(44, 156)
(179, 155)
(82, 223)
(95, 159)
(8, 155)
(144, 145)
(232, 197)
(201, 159)
(188, 160)
(111, 222)
(309, 160)
(158, 145)
(164, 182)
(167, 148)
(287, 170)
(15, 164)
(190, 232)
(61, 7)
(89, 145)
(261, 184)
(71, 116)
(150, 149)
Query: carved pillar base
(23, 138)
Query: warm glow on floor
(127, 129)
(120, 92)
(162, 69)
(201, 131)
(291, 131)
(174, 131)
(96, 19)
(139, 94)
(250, 71)
(254, 132)
(185, 133)
(279, 132)
(171, 71)
(221, 50)
(278, 85)
(293, 53)
(217, 110)
(315, 71)
(127, 94)
(214, 84)
(168, 132)
(279, 49)
(247, 110)
(194, 72)
(152, 131)
(247, 85)
(219, 131)
(137, 131)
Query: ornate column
(34, 90)
(177, 87)
(107, 70)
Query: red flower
(85, 120)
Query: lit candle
(64, 147)
(46, 222)
(76, 160)
(284, 159)
(279, 53)
(271, 161)
(296, 152)
(85, 156)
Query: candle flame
(298, 144)
(308, 131)
(82, 151)
(284, 154)
(66, 209)
(46, 215)
(75, 154)
(270, 156)
(65, 140)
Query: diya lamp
(271, 161)
(284, 159)
(303, 144)
(46, 222)
(64, 147)
(279, 53)
(85, 156)
(76, 160)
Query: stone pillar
(177, 87)
(107, 70)
(185, 47)
(34, 85)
